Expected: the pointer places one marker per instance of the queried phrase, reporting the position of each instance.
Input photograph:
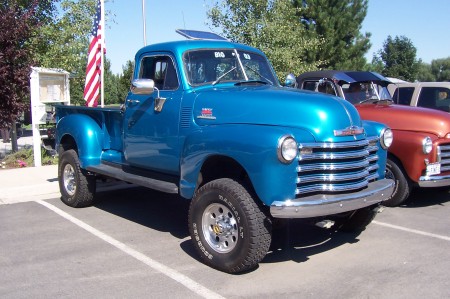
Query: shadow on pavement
(425, 197)
(156, 210)
(296, 240)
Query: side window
(161, 70)
(310, 85)
(435, 98)
(326, 87)
(403, 95)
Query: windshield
(226, 65)
(360, 92)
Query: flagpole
(143, 21)
(102, 22)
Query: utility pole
(143, 22)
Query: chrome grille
(445, 157)
(336, 167)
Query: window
(161, 70)
(434, 98)
(226, 65)
(310, 85)
(403, 95)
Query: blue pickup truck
(208, 120)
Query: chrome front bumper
(434, 181)
(323, 205)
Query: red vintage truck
(420, 153)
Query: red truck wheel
(402, 187)
(77, 188)
(229, 230)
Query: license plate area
(434, 168)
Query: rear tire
(229, 230)
(77, 188)
(402, 187)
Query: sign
(48, 87)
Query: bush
(25, 158)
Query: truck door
(151, 137)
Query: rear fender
(86, 133)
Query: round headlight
(287, 149)
(427, 145)
(386, 138)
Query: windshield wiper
(223, 75)
(259, 74)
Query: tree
(338, 22)
(399, 58)
(272, 26)
(66, 47)
(67, 43)
(125, 79)
(424, 73)
(19, 20)
(440, 68)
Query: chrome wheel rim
(69, 180)
(220, 228)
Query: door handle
(133, 101)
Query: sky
(425, 23)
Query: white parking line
(412, 230)
(169, 272)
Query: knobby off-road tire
(402, 187)
(77, 188)
(356, 221)
(229, 230)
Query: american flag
(94, 63)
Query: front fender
(254, 147)
(86, 133)
(407, 147)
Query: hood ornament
(352, 130)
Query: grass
(25, 158)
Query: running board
(120, 174)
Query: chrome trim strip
(334, 156)
(330, 187)
(332, 145)
(434, 181)
(333, 177)
(323, 205)
(333, 166)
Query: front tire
(76, 187)
(229, 230)
(402, 187)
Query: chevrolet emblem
(352, 130)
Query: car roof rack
(195, 34)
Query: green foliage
(338, 23)
(66, 46)
(440, 68)
(125, 79)
(67, 43)
(271, 26)
(424, 73)
(19, 20)
(399, 58)
(25, 158)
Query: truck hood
(407, 118)
(316, 113)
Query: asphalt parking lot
(134, 243)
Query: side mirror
(142, 86)
(290, 81)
